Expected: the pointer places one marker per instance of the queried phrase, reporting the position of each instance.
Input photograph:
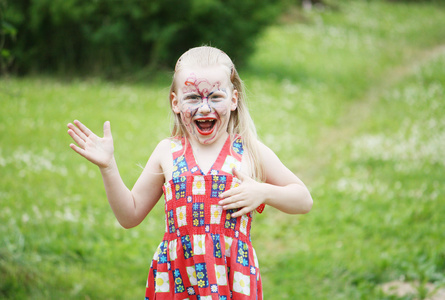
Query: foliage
(7, 31)
(111, 36)
(351, 103)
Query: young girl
(214, 174)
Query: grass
(351, 102)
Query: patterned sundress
(205, 253)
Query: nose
(205, 107)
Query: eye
(192, 98)
(218, 97)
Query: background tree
(112, 36)
(6, 31)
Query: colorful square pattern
(215, 214)
(230, 223)
(199, 246)
(171, 221)
(179, 187)
(216, 245)
(218, 185)
(199, 185)
(187, 246)
(238, 146)
(242, 256)
(179, 285)
(181, 215)
(162, 252)
(231, 163)
(201, 275)
(198, 214)
(241, 283)
(221, 276)
(172, 249)
(162, 282)
(243, 225)
(180, 166)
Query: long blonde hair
(240, 121)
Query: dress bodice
(191, 198)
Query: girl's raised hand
(97, 150)
(247, 196)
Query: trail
(360, 110)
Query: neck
(214, 146)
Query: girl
(214, 174)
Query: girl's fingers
(227, 196)
(76, 138)
(77, 131)
(107, 129)
(241, 212)
(232, 206)
(231, 202)
(83, 128)
(224, 195)
(230, 193)
(78, 149)
(240, 175)
(233, 191)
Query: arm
(282, 189)
(129, 207)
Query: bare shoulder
(266, 153)
(163, 155)
(162, 150)
(275, 171)
(164, 145)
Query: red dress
(205, 253)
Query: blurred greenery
(350, 97)
(7, 31)
(109, 37)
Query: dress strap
(177, 147)
(184, 163)
(237, 152)
(228, 158)
(181, 165)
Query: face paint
(205, 102)
(201, 86)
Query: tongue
(205, 126)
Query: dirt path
(361, 110)
(401, 289)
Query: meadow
(351, 98)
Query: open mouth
(205, 126)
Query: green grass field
(351, 98)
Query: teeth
(202, 121)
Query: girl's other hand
(247, 196)
(97, 150)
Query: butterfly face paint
(204, 101)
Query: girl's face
(204, 100)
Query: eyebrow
(219, 90)
(191, 94)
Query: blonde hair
(240, 121)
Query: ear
(175, 103)
(234, 100)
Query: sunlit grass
(338, 97)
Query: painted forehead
(202, 86)
(204, 81)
